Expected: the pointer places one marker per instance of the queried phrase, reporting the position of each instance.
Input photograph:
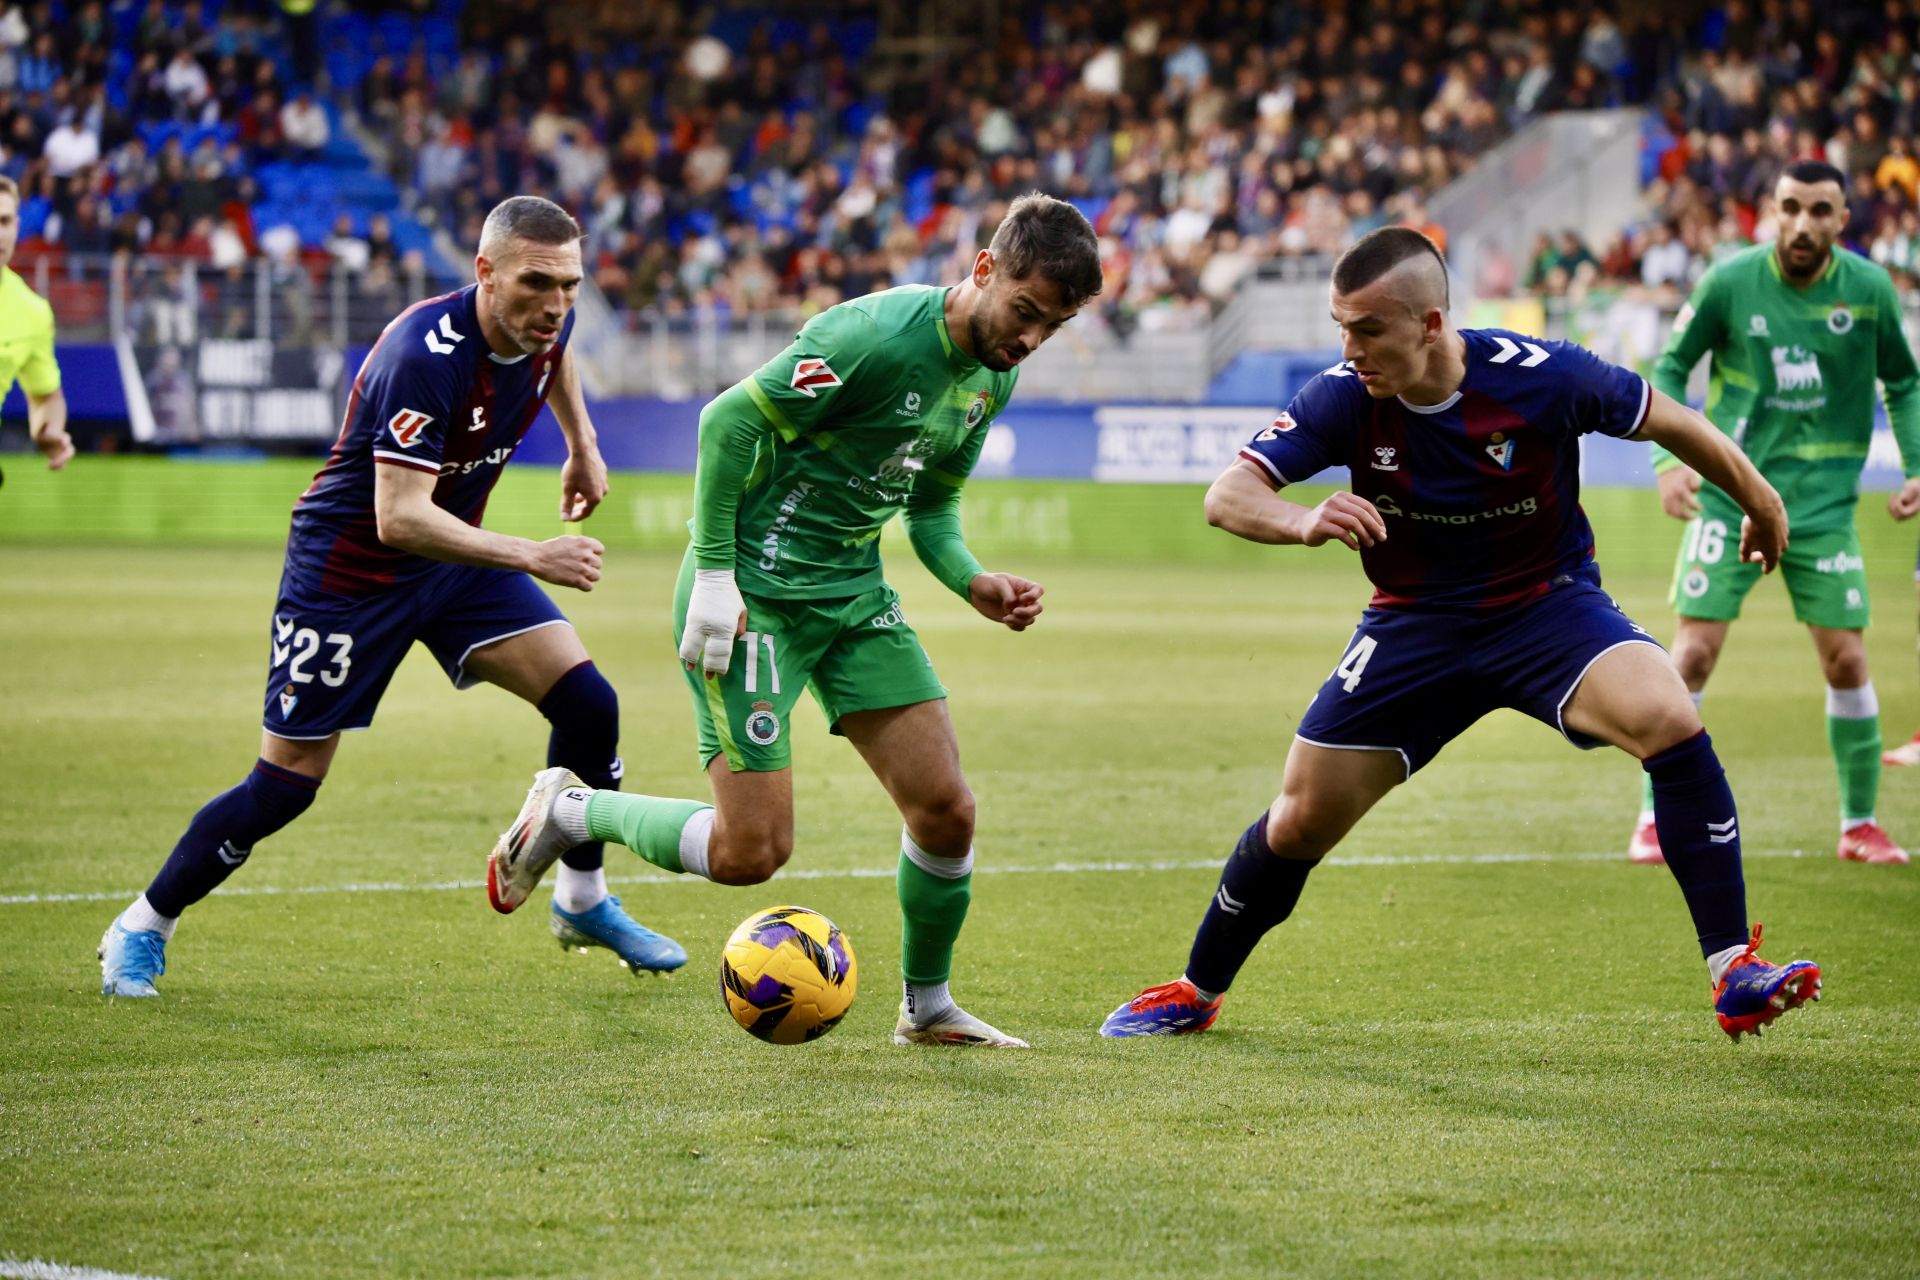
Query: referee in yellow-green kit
(26, 343)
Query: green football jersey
(874, 408)
(1792, 379)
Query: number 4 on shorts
(1355, 662)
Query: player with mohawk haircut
(1486, 595)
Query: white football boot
(532, 844)
(955, 1027)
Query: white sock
(1849, 824)
(694, 840)
(575, 891)
(570, 811)
(142, 918)
(1853, 704)
(1717, 962)
(925, 1001)
(1205, 995)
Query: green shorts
(856, 653)
(1825, 572)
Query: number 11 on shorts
(1355, 662)
(753, 640)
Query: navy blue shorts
(1413, 681)
(333, 655)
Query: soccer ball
(788, 975)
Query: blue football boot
(1171, 1009)
(1752, 993)
(130, 959)
(606, 925)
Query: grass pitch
(1445, 1064)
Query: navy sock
(224, 832)
(1700, 835)
(1257, 891)
(585, 714)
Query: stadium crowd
(1770, 84)
(796, 164)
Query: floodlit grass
(1436, 1068)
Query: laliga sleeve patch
(811, 376)
(406, 426)
(1284, 422)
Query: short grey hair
(527, 218)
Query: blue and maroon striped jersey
(431, 396)
(1480, 494)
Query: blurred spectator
(304, 126)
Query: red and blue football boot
(1752, 993)
(1172, 1009)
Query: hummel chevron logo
(1723, 832)
(1228, 903)
(440, 348)
(231, 856)
(282, 639)
(1535, 353)
(479, 418)
(813, 373)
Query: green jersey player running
(1799, 332)
(880, 405)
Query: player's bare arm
(47, 424)
(408, 520)
(1708, 451)
(1244, 502)
(583, 477)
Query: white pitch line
(35, 1269)
(885, 873)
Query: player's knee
(1694, 660)
(583, 703)
(1302, 832)
(1845, 670)
(1662, 725)
(748, 858)
(943, 823)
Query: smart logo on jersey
(1284, 422)
(811, 376)
(1501, 450)
(406, 426)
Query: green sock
(932, 908)
(1856, 758)
(648, 825)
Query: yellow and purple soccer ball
(788, 975)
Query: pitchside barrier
(104, 501)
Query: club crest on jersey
(978, 409)
(288, 699)
(1501, 450)
(763, 726)
(1840, 319)
(810, 376)
(406, 426)
(1383, 458)
(1284, 422)
(1757, 327)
